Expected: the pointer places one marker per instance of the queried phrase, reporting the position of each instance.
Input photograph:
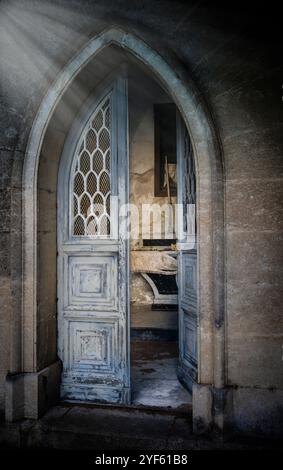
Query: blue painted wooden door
(187, 258)
(93, 268)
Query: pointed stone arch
(209, 171)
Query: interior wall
(144, 92)
(51, 151)
(47, 246)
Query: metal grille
(92, 176)
(190, 172)
(189, 194)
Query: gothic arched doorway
(38, 354)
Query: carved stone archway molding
(23, 397)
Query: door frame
(210, 211)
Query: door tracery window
(91, 180)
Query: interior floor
(154, 352)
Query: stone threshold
(96, 428)
(184, 411)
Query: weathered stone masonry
(237, 76)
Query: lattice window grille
(190, 173)
(189, 194)
(91, 182)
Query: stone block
(202, 408)
(254, 204)
(29, 395)
(258, 412)
(255, 360)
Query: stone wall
(237, 67)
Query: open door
(93, 311)
(187, 258)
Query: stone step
(95, 428)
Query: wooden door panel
(188, 297)
(187, 262)
(93, 347)
(91, 282)
(190, 344)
